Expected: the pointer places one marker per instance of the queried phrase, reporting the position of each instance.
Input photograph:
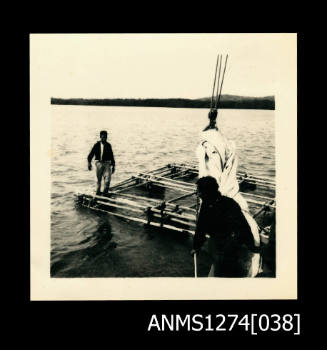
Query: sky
(158, 65)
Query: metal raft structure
(166, 198)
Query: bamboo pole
(222, 82)
(256, 195)
(252, 178)
(109, 199)
(261, 210)
(214, 83)
(185, 167)
(127, 202)
(181, 197)
(140, 198)
(259, 203)
(165, 167)
(119, 206)
(265, 185)
(184, 196)
(177, 182)
(221, 58)
(179, 206)
(255, 177)
(176, 215)
(162, 184)
(179, 173)
(175, 220)
(183, 175)
(164, 172)
(137, 197)
(143, 221)
(173, 182)
(257, 182)
(125, 187)
(195, 266)
(192, 167)
(143, 176)
(153, 202)
(119, 191)
(248, 200)
(181, 185)
(123, 183)
(166, 184)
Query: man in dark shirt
(104, 161)
(222, 219)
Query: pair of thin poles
(214, 105)
(215, 100)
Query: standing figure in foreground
(230, 234)
(104, 162)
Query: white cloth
(217, 158)
(101, 150)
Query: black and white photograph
(161, 166)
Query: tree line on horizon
(226, 101)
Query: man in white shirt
(104, 161)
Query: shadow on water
(101, 237)
(92, 249)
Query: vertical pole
(218, 83)
(197, 216)
(214, 84)
(222, 81)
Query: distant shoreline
(226, 101)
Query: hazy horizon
(159, 66)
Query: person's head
(208, 188)
(212, 115)
(103, 135)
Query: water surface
(87, 244)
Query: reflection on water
(85, 244)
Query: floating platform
(166, 197)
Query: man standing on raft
(104, 162)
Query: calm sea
(87, 244)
